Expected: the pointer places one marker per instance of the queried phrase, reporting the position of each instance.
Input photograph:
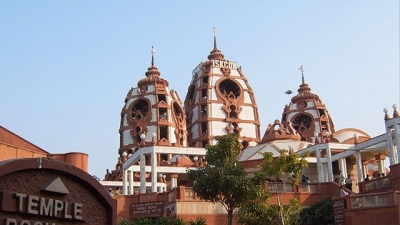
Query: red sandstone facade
(47, 191)
(13, 146)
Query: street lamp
(142, 138)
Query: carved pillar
(174, 181)
(124, 182)
(390, 144)
(365, 169)
(381, 163)
(396, 134)
(359, 167)
(131, 183)
(343, 166)
(142, 173)
(329, 156)
(320, 169)
(326, 171)
(153, 171)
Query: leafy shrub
(318, 213)
(198, 221)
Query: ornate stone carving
(280, 131)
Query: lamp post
(291, 149)
(142, 138)
(153, 138)
(317, 141)
(356, 138)
(124, 154)
(327, 136)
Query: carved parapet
(280, 131)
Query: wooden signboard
(338, 211)
(147, 209)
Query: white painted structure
(382, 145)
(136, 163)
(220, 101)
(156, 130)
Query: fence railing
(370, 200)
(376, 184)
(281, 187)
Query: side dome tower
(152, 114)
(220, 101)
(307, 114)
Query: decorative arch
(303, 123)
(231, 94)
(139, 116)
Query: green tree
(255, 211)
(162, 221)
(318, 213)
(124, 221)
(198, 221)
(223, 180)
(142, 221)
(179, 221)
(286, 168)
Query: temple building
(161, 138)
(220, 101)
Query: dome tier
(220, 101)
(152, 114)
(307, 114)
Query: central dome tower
(307, 114)
(220, 101)
(152, 115)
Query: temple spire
(215, 38)
(215, 53)
(152, 56)
(302, 74)
(152, 70)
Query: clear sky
(66, 66)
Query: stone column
(325, 166)
(174, 180)
(320, 169)
(392, 153)
(153, 171)
(142, 173)
(124, 182)
(359, 165)
(329, 156)
(396, 134)
(365, 170)
(131, 182)
(343, 167)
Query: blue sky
(66, 66)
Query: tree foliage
(318, 213)
(286, 169)
(162, 221)
(198, 221)
(223, 180)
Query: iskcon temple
(162, 136)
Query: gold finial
(152, 55)
(387, 117)
(302, 73)
(215, 38)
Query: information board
(147, 209)
(338, 211)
